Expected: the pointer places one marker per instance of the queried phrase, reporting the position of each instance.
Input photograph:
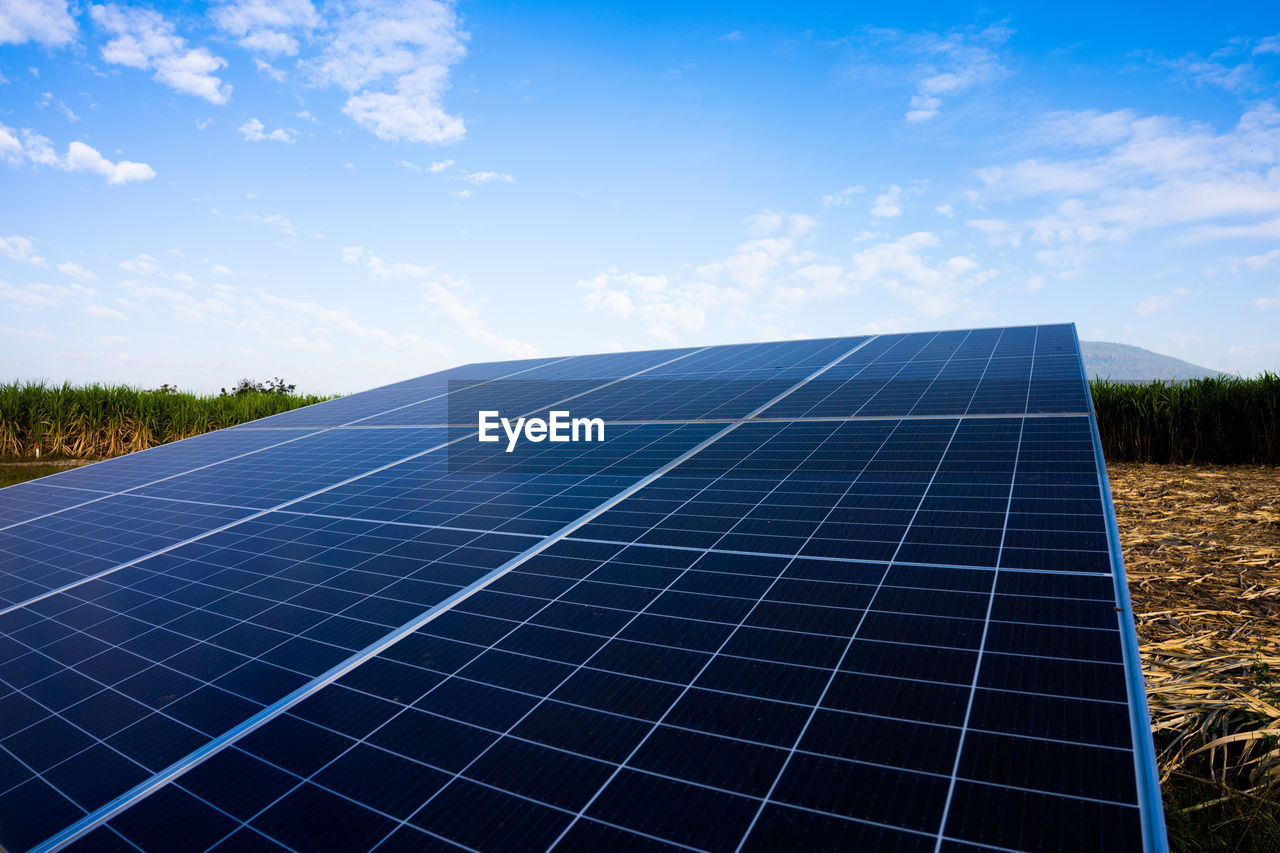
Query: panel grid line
(977, 668)
(873, 611)
(853, 636)
(291, 502)
(98, 817)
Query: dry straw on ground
(1202, 551)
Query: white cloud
(998, 231)
(1267, 229)
(945, 210)
(219, 269)
(771, 272)
(732, 35)
(488, 177)
(83, 157)
(252, 130)
(395, 59)
(410, 113)
(1268, 301)
(903, 267)
(38, 150)
(1237, 77)
(1264, 260)
(103, 312)
(1155, 304)
(819, 281)
(1134, 172)
(439, 166)
(38, 295)
(447, 298)
(266, 69)
(382, 269)
(143, 39)
(888, 205)
(266, 26)
(75, 271)
(311, 326)
(667, 311)
(272, 220)
(763, 223)
(841, 198)
(1232, 67)
(770, 223)
(35, 334)
(143, 264)
(46, 22)
(951, 64)
(10, 148)
(20, 249)
(47, 100)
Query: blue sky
(347, 194)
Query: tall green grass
(1224, 421)
(106, 420)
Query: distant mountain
(1127, 363)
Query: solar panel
(856, 592)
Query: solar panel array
(858, 592)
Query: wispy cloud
(266, 26)
(447, 298)
(20, 249)
(888, 205)
(906, 267)
(255, 131)
(48, 100)
(38, 295)
(272, 220)
(941, 65)
(1155, 304)
(1127, 173)
(74, 270)
(770, 272)
(843, 197)
(488, 177)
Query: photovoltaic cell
(35, 498)
(858, 592)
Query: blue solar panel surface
(858, 593)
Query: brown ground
(1202, 551)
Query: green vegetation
(12, 473)
(1196, 421)
(87, 421)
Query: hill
(1128, 363)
